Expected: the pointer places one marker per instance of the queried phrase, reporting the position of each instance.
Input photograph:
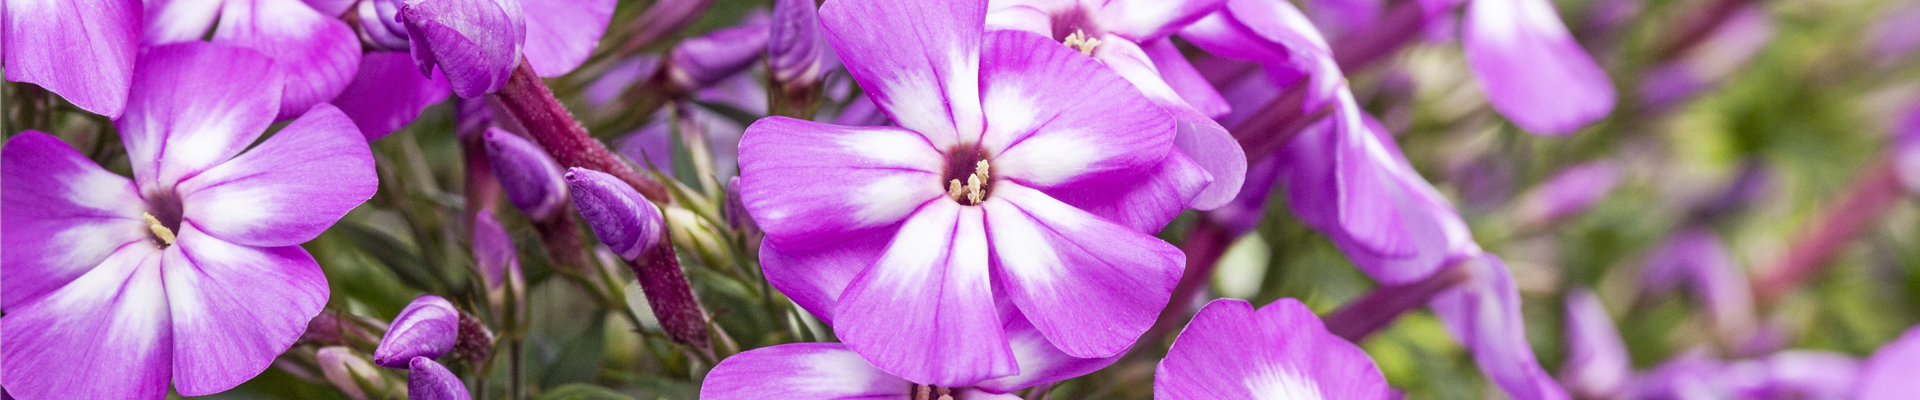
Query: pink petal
(193, 106)
(561, 34)
(1198, 137)
(175, 21)
(929, 298)
(1090, 285)
(60, 215)
(1889, 373)
(1146, 205)
(1059, 118)
(1185, 79)
(388, 93)
(814, 278)
(810, 184)
(1483, 314)
(235, 308)
(918, 60)
(1040, 361)
(319, 53)
(106, 335)
(1231, 351)
(1531, 69)
(287, 190)
(82, 50)
(825, 371)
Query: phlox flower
(830, 371)
(999, 195)
(1281, 351)
(82, 50)
(190, 272)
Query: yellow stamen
(975, 190)
(953, 189)
(1079, 40)
(161, 231)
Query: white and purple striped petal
(925, 310)
(1090, 285)
(193, 106)
(60, 216)
(1281, 351)
(289, 188)
(235, 307)
(319, 53)
(814, 278)
(388, 93)
(1059, 118)
(826, 371)
(427, 328)
(919, 61)
(119, 308)
(810, 184)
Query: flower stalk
(530, 102)
(1368, 314)
(1871, 195)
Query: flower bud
(620, 217)
(531, 179)
(663, 18)
(380, 25)
(703, 61)
(736, 211)
(794, 43)
(476, 43)
(350, 372)
(426, 328)
(475, 344)
(494, 253)
(428, 380)
(331, 328)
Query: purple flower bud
(736, 211)
(476, 341)
(428, 380)
(794, 44)
(1597, 364)
(380, 25)
(531, 179)
(349, 372)
(702, 61)
(620, 217)
(330, 328)
(426, 328)
(493, 250)
(1569, 193)
(476, 43)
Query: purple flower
(319, 53)
(1130, 38)
(1894, 39)
(623, 220)
(1745, 32)
(1906, 149)
(1484, 315)
(88, 251)
(702, 61)
(82, 50)
(478, 43)
(1281, 351)
(388, 93)
(428, 380)
(832, 371)
(498, 262)
(1794, 374)
(875, 228)
(1695, 258)
(532, 180)
(1531, 69)
(794, 43)
(1889, 373)
(426, 328)
(1597, 365)
(1568, 193)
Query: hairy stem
(528, 99)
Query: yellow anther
(954, 189)
(980, 168)
(160, 231)
(1079, 40)
(975, 190)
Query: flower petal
(57, 345)
(825, 371)
(929, 298)
(388, 93)
(814, 278)
(1090, 285)
(319, 53)
(1060, 118)
(60, 215)
(235, 307)
(561, 34)
(428, 380)
(1597, 365)
(1280, 351)
(175, 21)
(1152, 19)
(1889, 373)
(290, 188)
(1040, 361)
(810, 184)
(1483, 314)
(1146, 206)
(476, 43)
(919, 61)
(193, 106)
(1185, 79)
(1531, 69)
(82, 50)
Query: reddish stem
(1700, 26)
(1397, 26)
(671, 296)
(1379, 308)
(561, 236)
(1204, 246)
(1279, 122)
(1871, 195)
(528, 99)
